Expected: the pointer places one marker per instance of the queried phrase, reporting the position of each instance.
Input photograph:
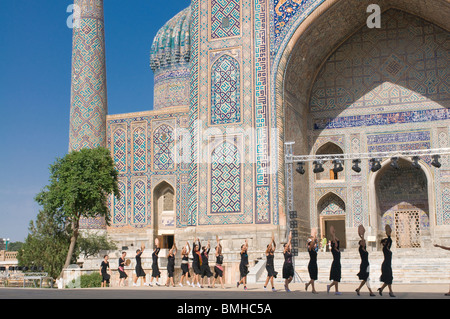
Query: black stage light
(394, 163)
(318, 168)
(415, 162)
(355, 166)
(375, 164)
(337, 166)
(300, 169)
(435, 161)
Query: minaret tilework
(88, 97)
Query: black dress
(139, 271)
(185, 265)
(364, 267)
(335, 272)
(270, 266)
(312, 265)
(243, 266)
(218, 269)
(196, 263)
(121, 268)
(170, 266)
(105, 275)
(386, 267)
(155, 267)
(288, 267)
(206, 271)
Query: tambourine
(128, 262)
(361, 231)
(388, 230)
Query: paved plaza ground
(254, 291)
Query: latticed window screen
(407, 228)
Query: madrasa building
(262, 109)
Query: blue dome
(172, 44)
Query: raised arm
(288, 245)
(443, 247)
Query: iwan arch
(234, 84)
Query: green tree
(46, 244)
(94, 243)
(80, 184)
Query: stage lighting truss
(374, 157)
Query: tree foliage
(46, 245)
(80, 184)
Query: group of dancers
(202, 271)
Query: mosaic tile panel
(139, 202)
(119, 206)
(163, 148)
(225, 91)
(88, 98)
(225, 18)
(139, 149)
(120, 150)
(225, 179)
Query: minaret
(88, 101)
(88, 97)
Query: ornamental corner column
(88, 102)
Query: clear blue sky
(35, 72)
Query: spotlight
(394, 163)
(300, 169)
(435, 161)
(355, 166)
(415, 162)
(318, 168)
(375, 164)
(337, 166)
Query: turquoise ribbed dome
(172, 44)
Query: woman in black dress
(139, 270)
(364, 266)
(185, 265)
(104, 271)
(312, 265)
(270, 267)
(288, 267)
(335, 272)
(386, 267)
(155, 268)
(121, 269)
(243, 266)
(206, 271)
(218, 268)
(171, 265)
(196, 263)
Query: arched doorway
(342, 81)
(164, 214)
(403, 203)
(331, 212)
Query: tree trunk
(73, 241)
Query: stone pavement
(254, 291)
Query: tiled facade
(228, 94)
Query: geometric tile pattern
(225, 18)
(139, 202)
(163, 148)
(120, 150)
(120, 207)
(225, 179)
(225, 91)
(139, 150)
(88, 97)
(332, 205)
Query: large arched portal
(364, 89)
